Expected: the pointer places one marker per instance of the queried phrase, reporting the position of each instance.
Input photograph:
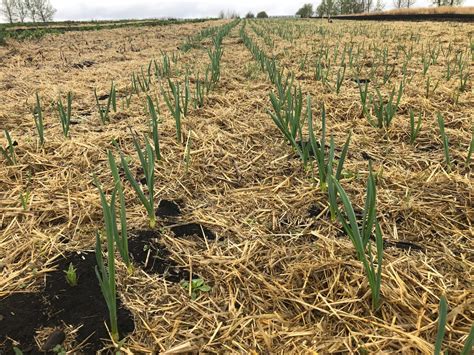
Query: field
(235, 158)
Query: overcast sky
(120, 9)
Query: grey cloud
(86, 10)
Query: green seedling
(154, 127)
(121, 239)
(325, 161)
(471, 149)
(195, 287)
(9, 151)
(71, 275)
(340, 78)
(428, 87)
(187, 152)
(363, 96)
(444, 137)
(147, 160)
(25, 199)
(106, 277)
(174, 105)
(443, 313)
(385, 111)
(360, 232)
(185, 96)
(414, 127)
(287, 117)
(467, 349)
(65, 114)
(59, 350)
(215, 57)
(38, 116)
(104, 111)
(199, 93)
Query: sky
(126, 9)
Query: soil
(82, 306)
(190, 229)
(83, 65)
(314, 210)
(168, 208)
(361, 81)
(151, 256)
(20, 315)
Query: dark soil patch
(167, 208)
(57, 337)
(361, 81)
(404, 245)
(428, 148)
(152, 257)
(119, 116)
(20, 315)
(366, 156)
(193, 229)
(103, 97)
(307, 145)
(84, 64)
(314, 210)
(81, 306)
(140, 176)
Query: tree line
(341, 7)
(27, 10)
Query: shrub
(262, 14)
(2, 37)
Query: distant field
(432, 10)
(444, 13)
(36, 29)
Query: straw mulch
(284, 278)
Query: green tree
(327, 8)
(262, 14)
(349, 6)
(249, 15)
(305, 11)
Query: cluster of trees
(233, 14)
(261, 14)
(22, 10)
(338, 7)
(228, 14)
(447, 2)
